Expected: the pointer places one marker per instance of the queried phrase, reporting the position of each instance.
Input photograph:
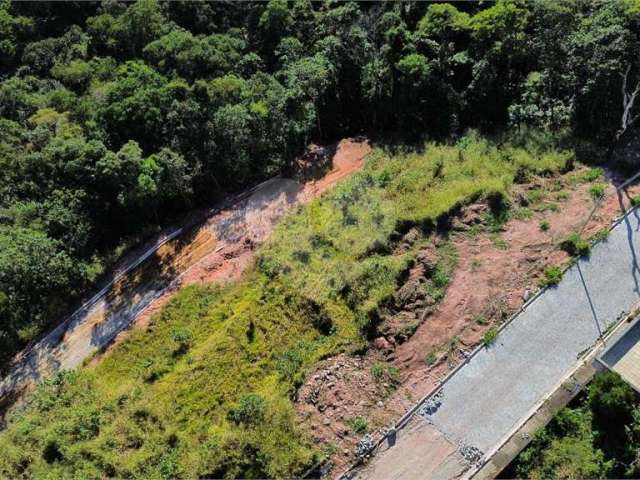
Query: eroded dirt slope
(498, 268)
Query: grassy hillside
(206, 388)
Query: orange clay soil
(493, 277)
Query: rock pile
(432, 404)
(365, 445)
(472, 455)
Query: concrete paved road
(494, 392)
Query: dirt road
(217, 249)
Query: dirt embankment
(218, 249)
(222, 249)
(419, 342)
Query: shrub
(250, 410)
(500, 243)
(431, 358)
(451, 348)
(552, 276)
(544, 225)
(593, 174)
(51, 452)
(601, 235)
(522, 213)
(498, 215)
(480, 319)
(536, 195)
(380, 372)
(490, 336)
(597, 191)
(440, 278)
(377, 372)
(182, 337)
(359, 425)
(575, 245)
(383, 178)
(289, 364)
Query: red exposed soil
(492, 280)
(349, 158)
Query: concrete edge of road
(543, 411)
(346, 474)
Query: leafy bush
(593, 174)
(377, 372)
(601, 235)
(289, 364)
(576, 246)
(544, 225)
(490, 336)
(359, 425)
(499, 242)
(250, 410)
(381, 372)
(480, 319)
(597, 191)
(552, 276)
(182, 337)
(522, 213)
(535, 195)
(431, 358)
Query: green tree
(14, 30)
(500, 46)
(36, 276)
(601, 56)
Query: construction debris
(471, 454)
(365, 445)
(432, 404)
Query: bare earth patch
(495, 274)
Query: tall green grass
(206, 388)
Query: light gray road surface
(495, 391)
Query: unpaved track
(494, 392)
(181, 256)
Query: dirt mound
(412, 301)
(337, 393)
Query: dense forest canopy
(116, 117)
